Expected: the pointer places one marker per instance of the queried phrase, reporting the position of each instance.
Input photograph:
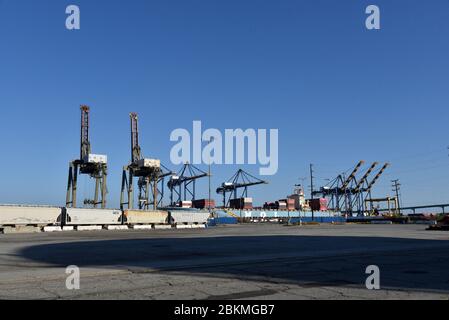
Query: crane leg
(147, 194)
(122, 193)
(155, 194)
(104, 189)
(68, 200)
(74, 185)
(97, 188)
(130, 190)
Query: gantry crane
(185, 181)
(146, 189)
(368, 189)
(147, 170)
(240, 180)
(349, 195)
(358, 201)
(340, 189)
(94, 165)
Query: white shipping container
(28, 215)
(96, 158)
(186, 204)
(146, 217)
(149, 163)
(77, 216)
(189, 217)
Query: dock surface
(251, 261)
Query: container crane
(146, 169)
(340, 189)
(351, 192)
(358, 200)
(146, 187)
(351, 177)
(94, 165)
(185, 181)
(368, 189)
(240, 180)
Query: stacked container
(203, 204)
(185, 204)
(281, 204)
(318, 204)
(242, 203)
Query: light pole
(209, 176)
(396, 185)
(311, 190)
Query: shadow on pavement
(307, 260)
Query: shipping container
(203, 204)
(78, 216)
(282, 205)
(241, 203)
(30, 215)
(270, 206)
(185, 204)
(318, 204)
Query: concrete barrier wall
(75, 216)
(146, 217)
(189, 217)
(27, 215)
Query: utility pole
(396, 185)
(209, 176)
(311, 189)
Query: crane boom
(85, 143)
(228, 188)
(240, 180)
(352, 175)
(357, 188)
(371, 184)
(135, 148)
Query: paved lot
(229, 262)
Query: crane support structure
(147, 170)
(93, 165)
(351, 195)
(240, 180)
(184, 183)
(352, 175)
(368, 189)
(147, 189)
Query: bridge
(433, 206)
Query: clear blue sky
(337, 92)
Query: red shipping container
(318, 204)
(204, 204)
